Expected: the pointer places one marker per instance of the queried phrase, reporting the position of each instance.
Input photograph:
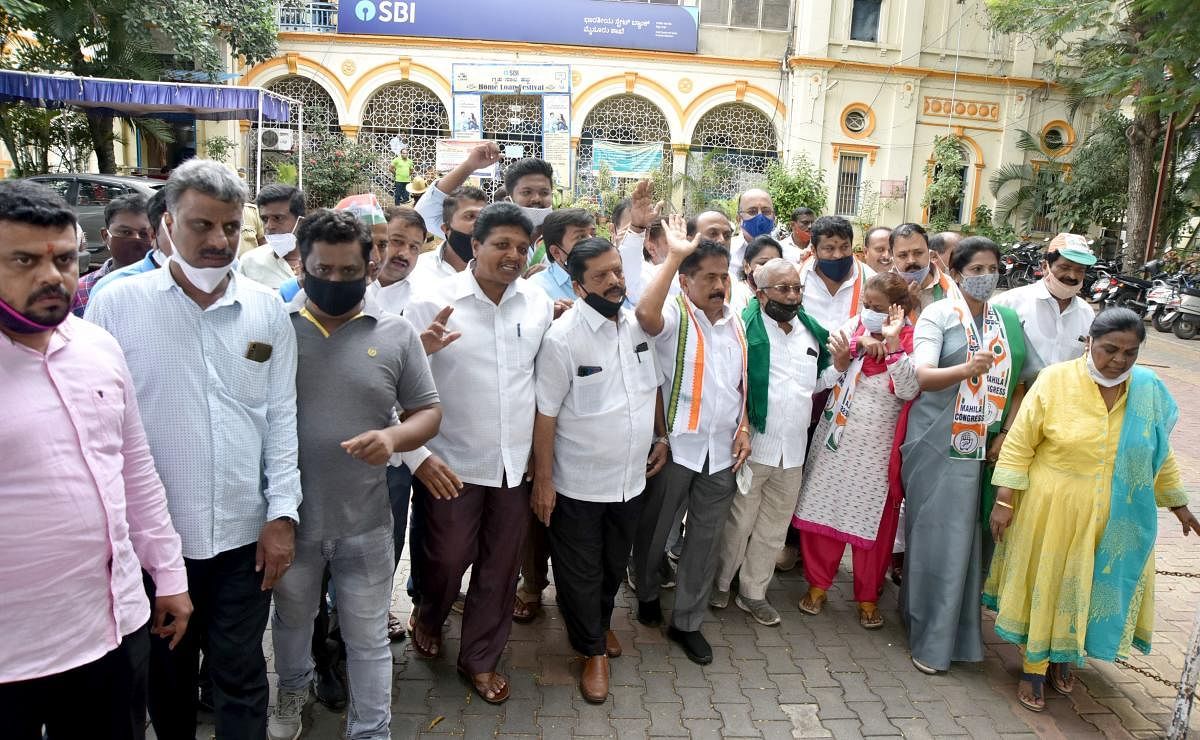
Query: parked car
(88, 194)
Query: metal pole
(1158, 190)
(300, 154)
(1187, 685)
(258, 145)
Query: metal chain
(1149, 674)
(1177, 573)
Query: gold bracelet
(1004, 504)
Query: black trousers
(104, 699)
(229, 617)
(589, 548)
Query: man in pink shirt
(82, 509)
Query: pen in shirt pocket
(518, 330)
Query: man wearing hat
(417, 188)
(1056, 319)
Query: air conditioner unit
(276, 139)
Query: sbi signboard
(620, 25)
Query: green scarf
(758, 358)
(1017, 350)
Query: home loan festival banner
(618, 25)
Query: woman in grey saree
(970, 357)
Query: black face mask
(606, 308)
(334, 298)
(781, 311)
(461, 244)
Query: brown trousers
(535, 558)
(484, 527)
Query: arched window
(514, 122)
(411, 113)
(730, 150)
(320, 119)
(624, 119)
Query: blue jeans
(361, 570)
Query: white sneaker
(284, 722)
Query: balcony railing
(310, 16)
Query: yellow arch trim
(596, 88)
(976, 150)
(733, 87)
(403, 71)
(281, 61)
(1067, 146)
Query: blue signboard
(620, 25)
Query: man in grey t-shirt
(355, 364)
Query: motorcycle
(1130, 292)
(1022, 266)
(1186, 321)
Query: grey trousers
(706, 497)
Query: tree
(1031, 190)
(334, 167)
(943, 196)
(1096, 192)
(118, 39)
(801, 185)
(1144, 50)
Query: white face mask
(206, 279)
(536, 215)
(873, 320)
(282, 244)
(1099, 377)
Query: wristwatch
(665, 440)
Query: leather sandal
(1031, 702)
(499, 695)
(813, 601)
(869, 617)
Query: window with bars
(768, 14)
(849, 185)
(864, 20)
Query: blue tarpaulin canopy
(166, 100)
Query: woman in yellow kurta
(1086, 462)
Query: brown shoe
(593, 684)
(612, 646)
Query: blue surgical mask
(836, 269)
(757, 226)
(916, 276)
(873, 321)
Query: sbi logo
(389, 11)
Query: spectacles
(755, 210)
(786, 289)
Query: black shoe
(330, 689)
(693, 643)
(650, 613)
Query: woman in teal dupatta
(1085, 465)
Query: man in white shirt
(213, 358)
(281, 207)
(469, 482)
(456, 211)
(644, 246)
(787, 362)
(877, 249)
(1055, 318)
(756, 216)
(699, 342)
(392, 288)
(800, 234)
(833, 279)
(597, 382)
(914, 260)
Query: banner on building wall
(453, 152)
(618, 25)
(512, 79)
(627, 160)
(556, 136)
(468, 116)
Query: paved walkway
(812, 676)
